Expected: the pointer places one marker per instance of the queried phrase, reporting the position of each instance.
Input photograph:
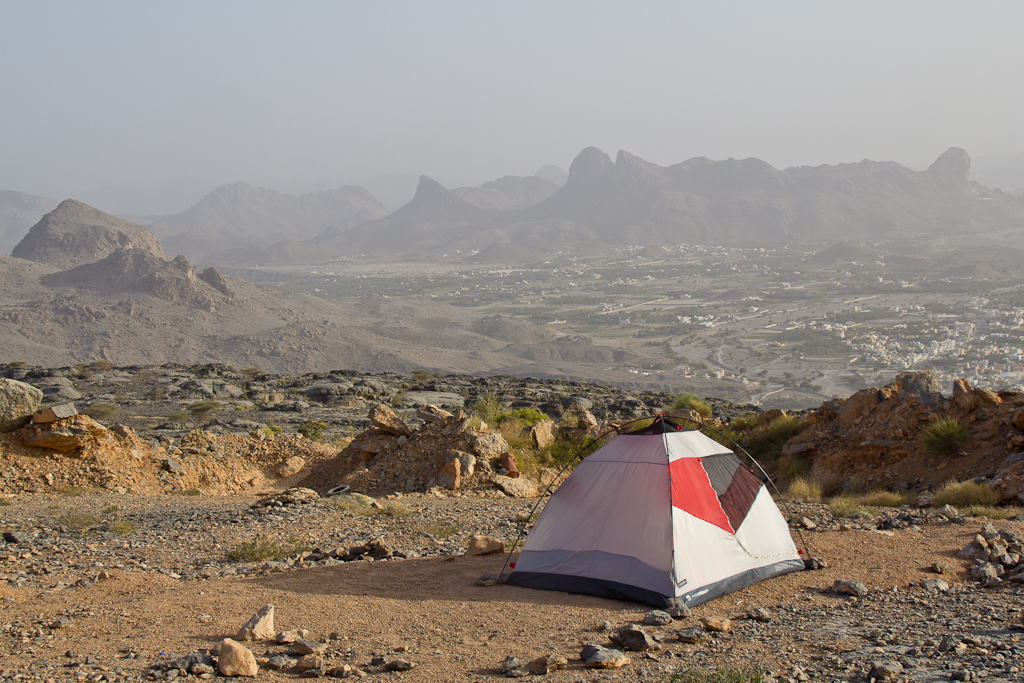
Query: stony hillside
(74, 234)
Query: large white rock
(17, 403)
(236, 659)
(259, 627)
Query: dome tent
(660, 516)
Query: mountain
(19, 212)
(236, 221)
(630, 201)
(552, 174)
(132, 306)
(75, 233)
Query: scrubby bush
(525, 416)
(313, 429)
(261, 549)
(101, 365)
(688, 401)
(724, 435)
(844, 506)
(487, 408)
(804, 489)
(744, 422)
(963, 494)
(203, 409)
(885, 499)
(766, 440)
(101, 411)
(719, 675)
(944, 437)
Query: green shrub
(963, 494)
(122, 527)
(766, 440)
(79, 520)
(744, 422)
(885, 499)
(177, 417)
(688, 401)
(442, 529)
(101, 411)
(724, 435)
(944, 437)
(525, 416)
(191, 492)
(722, 674)
(516, 435)
(313, 429)
(991, 512)
(261, 549)
(804, 489)
(4, 502)
(844, 506)
(203, 409)
(487, 408)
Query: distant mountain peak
(75, 233)
(431, 190)
(589, 164)
(952, 168)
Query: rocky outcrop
(74, 234)
(874, 436)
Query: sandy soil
(429, 611)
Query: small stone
(485, 545)
(850, 587)
(509, 663)
(948, 511)
(236, 659)
(885, 671)
(259, 627)
(679, 612)
(716, 624)
(278, 662)
(691, 635)
(939, 568)
(633, 638)
(487, 580)
(935, 585)
(656, 617)
(342, 671)
(308, 662)
(807, 523)
(759, 614)
(308, 647)
(545, 665)
(399, 665)
(598, 657)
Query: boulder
(383, 417)
(633, 638)
(431, 414)
(1018, 419)
(259, 627)
(545, 664)
(850, 587)
(543, 433)
(291, 467)
(484, 545)
(450, 476)
(598, 657)
(516, 487)
(489, 446)
(64, 436)
(17, 403)
(236, 659)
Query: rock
(487, 580)
(399, 665)
(285, 637)
(716, 624)
(259, 627)
(758, 614)
(807, 523)
(634, 638)
(545, 665)
(679, 611)
(489, 446)
(948, 511)
(467, 464)
(963, 397)
(383, 417)
(308, 647)
(17, 403)
(517, 488)
(510, 663)
(432, 413)
(485, 545)
(544, 433)
(54, 413)
(850, 587)
(939, 568)
(278, 662)
(508, 463)
(885, 671)
(935, 585)
(15, 537)
(291, 467)
(309, 662)
(450, 476)
(170, 465)
(691, 635)
(656, 617)
(65, 436)
(1018, 419)
(236, 659)
(598, 657)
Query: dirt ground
(429, 611)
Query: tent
(658, 516)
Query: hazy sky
(136, 93)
